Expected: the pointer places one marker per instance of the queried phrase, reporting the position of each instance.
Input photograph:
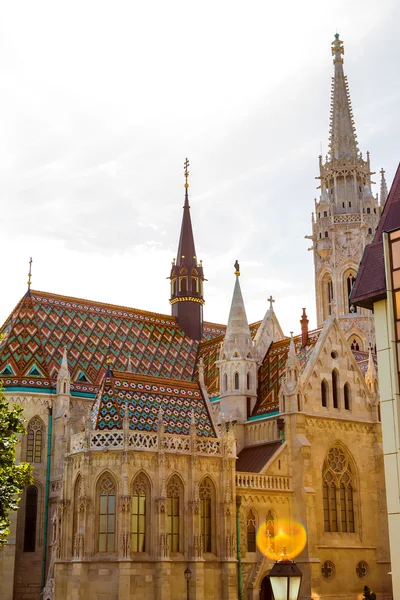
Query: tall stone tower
(187, 277)
(345, 217)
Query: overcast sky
(102, 101)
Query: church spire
(187, 276)
(237, 342)
(343, 139)
(383, 191)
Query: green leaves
(13, 477)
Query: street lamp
(188, 574)
(285, 578)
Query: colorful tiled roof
(43, 324)
(143, 397)
(362, 360)
(370, 284)
(271, 371)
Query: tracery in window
(206, 494)
(34, 444)
(350, 280)
(338, 497)
(251, 531)
(174, 492)
(31, 504)
(139, 506)
(106, 508)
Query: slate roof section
(370, 284)
(253, 459)
(43, 324)
(272, 369)
(143, 397)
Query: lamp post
(285, 577)
(188, 574)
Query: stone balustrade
(140, 440)
(257, 481)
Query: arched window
(368, 210)
(195, 284)
(298, 402)
(335, 388)
(324, 393)
(325, 213)
(320, 235)
(248, 380)
(31, 503)
(350, 279)
(106, 508)
(173, 287)
(326, 234)
(327, 295)
(355, 344)
(270, 529)
(338, 497)
(225, 382)
(34, 444)
(183, 285)
(174, 493)
(206, 494)
(347, 396)
(251, 531)
(369, 230)
(236, 376)
(139, 507)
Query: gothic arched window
(325, 213)
(174, 494)
(31, 504)
(206, 494)
(327, 295)
(347, 396)
(236, 377)
(355, 345)
(34, 444)
(324, 393)
(370, 230)
(335, 388)
(251, 531)
(106, 508)
(248, 380)
(138, 533)
(270, 529)
(338, 496)
(76, 516)
(350, 279)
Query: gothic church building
(149, 434)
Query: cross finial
(30, 273)
(186, 172)
(271, 301)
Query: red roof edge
(370, 284)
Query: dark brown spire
(187, 277)
(304, 329)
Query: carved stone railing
(349, 218)
(150, 441)
(256, 481)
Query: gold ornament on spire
(237, 268)
(186, 172)
(30, 273)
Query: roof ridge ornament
(30, 276)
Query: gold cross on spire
(30, 273)
(186, 172)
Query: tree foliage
(13, 477)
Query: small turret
(290, 398)
(237, 364)
(187, 277)
(63, 377)
(304, 329)
(383, 191)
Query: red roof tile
(370, 284)
(252, 459)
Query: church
(169, 452)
